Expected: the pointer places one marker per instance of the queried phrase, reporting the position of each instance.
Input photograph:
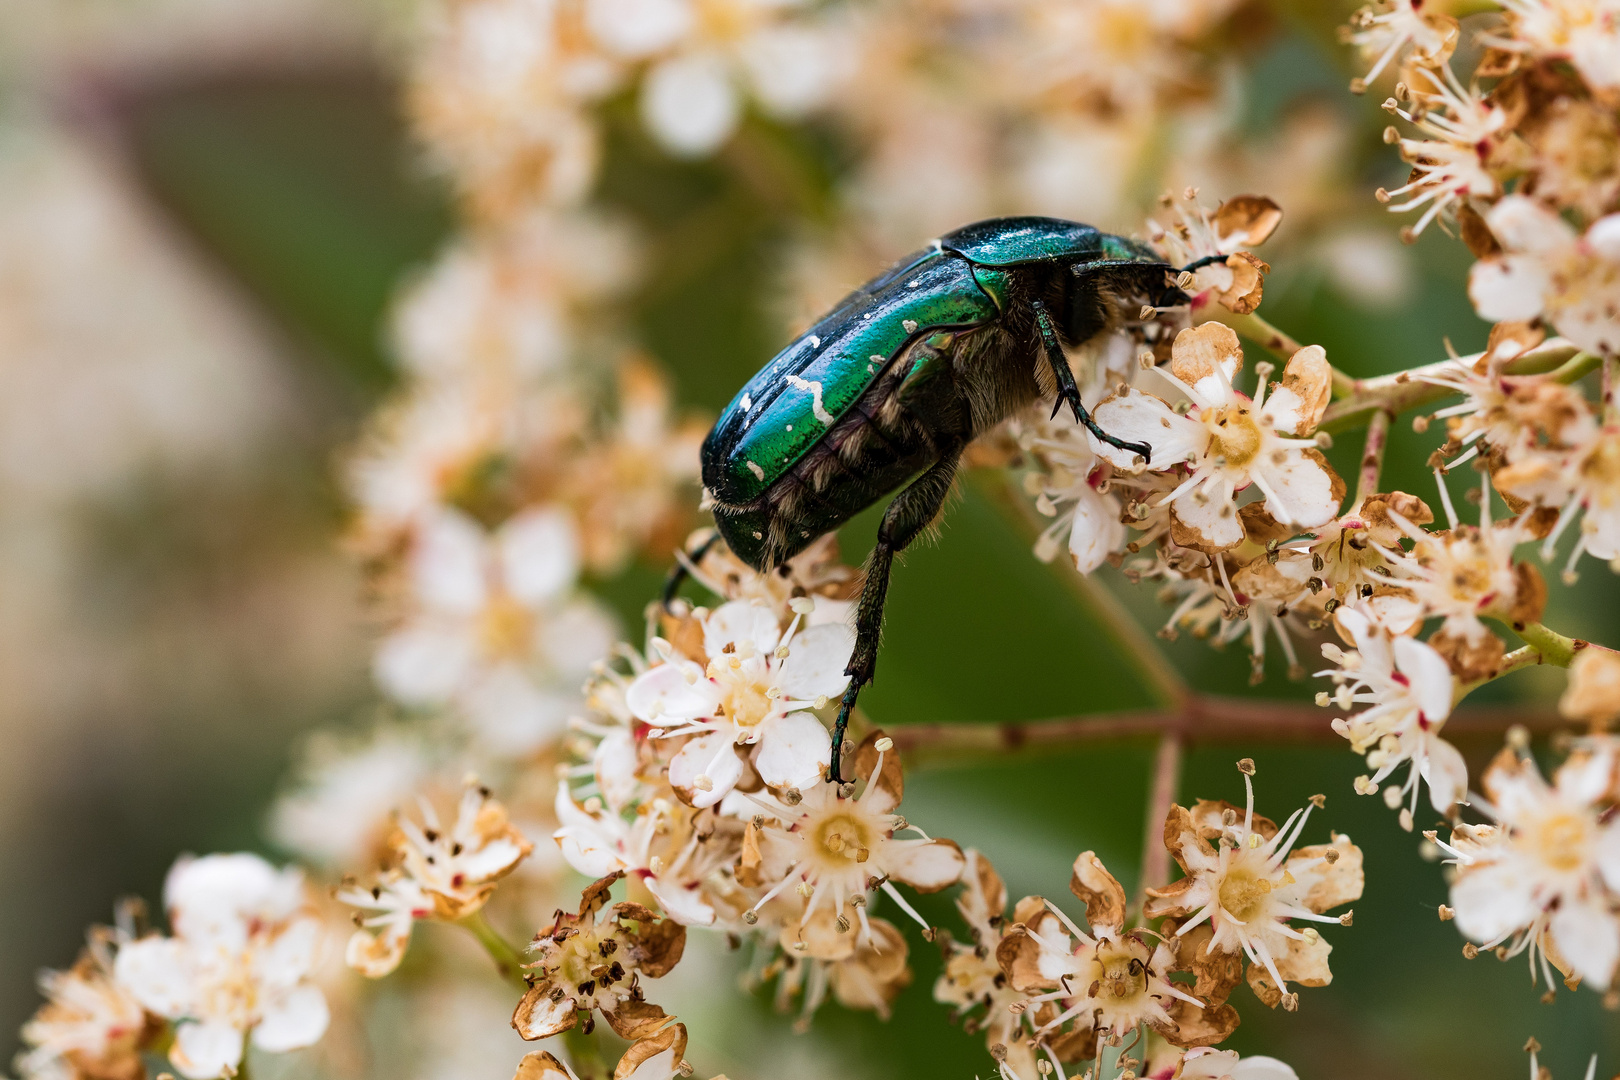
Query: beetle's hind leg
(1069, 390)
(684, 561)
(907, 516)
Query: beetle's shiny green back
(1019, 241)
(799, 395)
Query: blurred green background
(294, 186)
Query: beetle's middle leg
(907, 516)
(1069, 390)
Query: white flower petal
(1301, 489)
(424, 663)
(792, 68)
(689, 104)
(576, 637)
(1508, 287)
(1446, 774)
(1589, 938)
(206, 1051)
(710, 756)
(296, 1018)
(685, 906)
(1523, 224)
(928, 865)
(1215, 519)
(159, 973)
(1260, 1067)
(816, 660)
(615, 767)
(586, 844)
(1429, 674)
(1097, 532)
(1493, 900)
(738, 623)
(637, 28)
(539, 551)
(670, 693)
(292, 955)
(512, 715)
(792, 750)
(1137, 416)
(447, 563)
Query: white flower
(502, 305)
(1585, 32)
(1389, 28)
(1253, 884)
(434, 873)
(1550, 867)
(1069, 493)
(1457, 161)
(1586, 478)
(238, 964)
(1227, 442)
(419, 450)
(1549, 270)
(664, 848)
(836, 849)
(756, 690)
(703, 57)
(495, 626)
(1409, 687)
(91, 1027)
(499, 93)
(340, 808)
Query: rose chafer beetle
(895, 381)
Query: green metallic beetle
(894, 383)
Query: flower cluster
(237, 969)
(1048, 993)
(706, 786)
(1521, 156)
(1542, 874)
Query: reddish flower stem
(1155, 865)
(1372, 456)
(1204, 720)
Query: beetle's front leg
(907, 516)
(1069, 390)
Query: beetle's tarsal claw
(1056, 405)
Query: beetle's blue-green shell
(1017, 241)
(789, 405)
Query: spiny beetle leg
(1069, 390)
(682, 569)
(907, 516)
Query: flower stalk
(508, 961)
(1554, 647)
(1162, 791)
(1412, 389)
(1372, 455)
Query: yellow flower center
(1245, 890)
(1561, 841)
(843, 837)
(578, 957)
(1120, 970)
(506, 627)
(743, 697)
(1234, 434)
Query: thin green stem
(1257, 330)
(1527, 656)
(1135, 646)
(508, 961)
(242, 1070)
(1554, 647)
(585, 1054)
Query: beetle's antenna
(684, 562)
(1199, 264)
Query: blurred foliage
(303, 185)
